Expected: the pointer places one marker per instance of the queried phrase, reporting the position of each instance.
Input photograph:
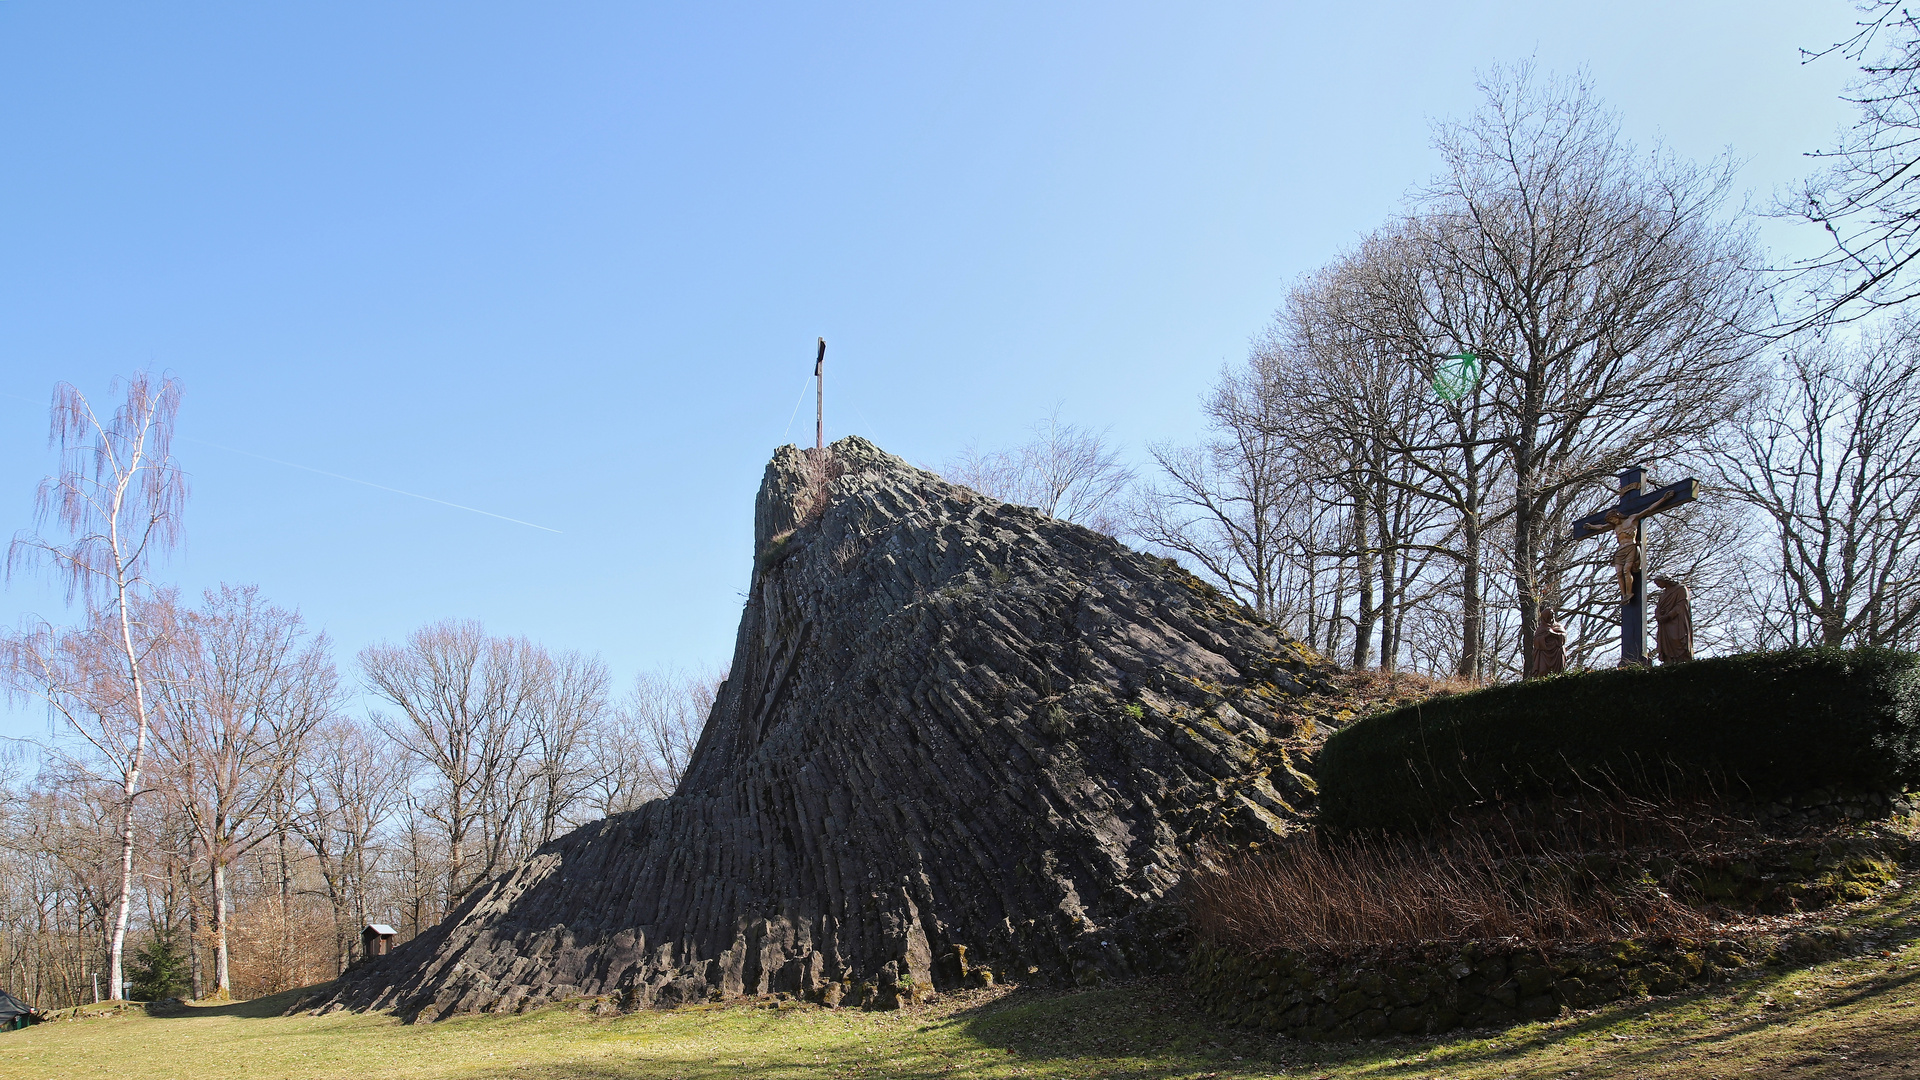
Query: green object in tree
(1457, 375)
(159, 970)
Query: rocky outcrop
(959, 740)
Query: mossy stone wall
(1424, 989)
(1485, 984)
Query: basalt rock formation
(958, 739)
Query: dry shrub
(278, 947)
(1375, 685)
(847, 553)
(1536, 874)
(818, 471)
(1366, 691)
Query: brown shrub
(1537, 874)
(820, 471)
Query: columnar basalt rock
(959, 740)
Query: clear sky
(566, 262)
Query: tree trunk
(193, 931)
(1336, 609)
(1312, 626)
(1472, 633)
(116, 949)
(286, 900)
(1363, 580)
(1526, 513)
(1471, 616)
(222, 982)
(1389, 554)
(1523, 556)
(456, 847)
(342, 937)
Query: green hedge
(1759, 725)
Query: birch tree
(117, 498)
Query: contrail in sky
(368, 483)
(351, 480)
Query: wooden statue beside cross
(1623, 520)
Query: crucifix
(1623, 520)
(819, 397)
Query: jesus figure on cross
(1626, 533)
(1624, 520)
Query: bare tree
(572, 704)
(349, 785)
(1866, 198)
(118, 496)
(57, 845)
(420, 864)
(1224, 504)
(1620, 299)
(501, 726)
(240, 685)
(463, 698)
(533, 792)
(642, 751)
(1832, 464)
(1063, 471)
(1361, 416)
(1601, 305)
(1369, 311)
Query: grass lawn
(1858, 1017)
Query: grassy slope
(1858, 1017)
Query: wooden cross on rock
(1623, 520)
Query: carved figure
(1626, 533)
(1673, 614)
(1549, 645)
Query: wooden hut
(377, 939)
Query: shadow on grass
(1148, 1028)
(260, 1008)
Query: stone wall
(1426, 989)
(1488, 984)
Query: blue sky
(565, 262)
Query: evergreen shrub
(159, 970)
(1747, 727)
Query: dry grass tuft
(1538, 873)
(820, 471)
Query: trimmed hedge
(1754, 726)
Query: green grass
(1854, 1017)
